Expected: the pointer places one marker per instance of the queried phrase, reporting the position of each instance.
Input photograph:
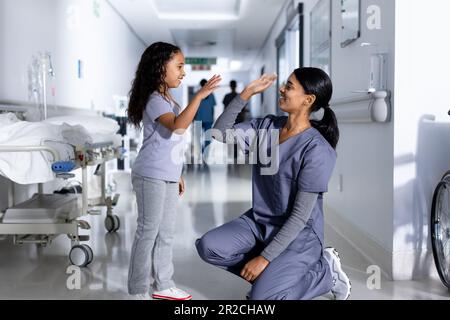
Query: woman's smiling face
(293, 97)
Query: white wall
(365, 151)
(421, 146)
(70, 30)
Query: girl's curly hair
(149, 78)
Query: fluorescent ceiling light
(235, 65)
(197, 9)
(223, 62)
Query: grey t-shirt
(161, 155)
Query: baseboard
(398, 265)
(414, 265)
(373, 252)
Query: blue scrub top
(306, 163)
(206, 110)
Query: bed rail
(50, 150)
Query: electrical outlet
(341, 183)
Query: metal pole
(44, 75)
(11, 194)
(85, 189)
(103, 182)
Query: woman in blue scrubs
(277, 245)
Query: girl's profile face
(175, 71)
(293, 97)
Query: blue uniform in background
(205, 114)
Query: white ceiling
(231, 29)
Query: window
(321, 36)
(289, 49)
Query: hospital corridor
(224, 150)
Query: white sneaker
(171, 294)
(342, 286)
(140, 296)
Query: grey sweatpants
(299, 273)
(151, 255)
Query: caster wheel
(79, 256)
(90, 252)
(117, 223)
(112, 223)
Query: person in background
(229, 97)
(233, 148)
(205, 115)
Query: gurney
(45, 216)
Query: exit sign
(201, 61)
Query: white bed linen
(35, 167)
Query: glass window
(289, 48)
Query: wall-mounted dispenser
(378, 72)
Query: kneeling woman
(277, 245)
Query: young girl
(156, 173)
(277, 245)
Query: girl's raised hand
(209, 87)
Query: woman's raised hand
(209, 87)
(259, 86)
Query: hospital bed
(43, 217)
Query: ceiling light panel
(198, 9)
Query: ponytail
(328, 127)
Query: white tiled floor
(214, 195)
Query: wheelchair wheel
(440, 229)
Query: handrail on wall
(363, 108)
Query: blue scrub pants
(206, 139)
(298, 273)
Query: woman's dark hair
(316, 82)
(149, 78)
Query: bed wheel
(80, 255)
(117, 221)
(90, 252)
(112, 223)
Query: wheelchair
(440, 228)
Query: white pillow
(93, 124)
(75, 135)
(7, 119)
